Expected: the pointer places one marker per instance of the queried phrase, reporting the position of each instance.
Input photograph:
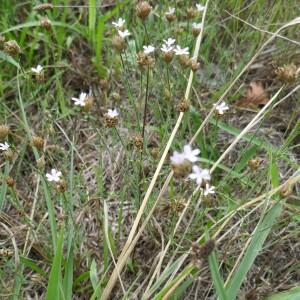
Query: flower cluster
(182, 164)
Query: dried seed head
(104, 84)
(45, 23)
(170, 17)
(254, 163)
(195, 65)
(41, 163)
(286, 190)
(207, 249)
(184, 60)
(10, 181)
(200, 253)
(118, 43)
(61, 186)
(182, 170)
(38, 142)
(6, 252)
(178, 205)
(138, 142)
(154, 152)
(4, 131)
(196, 31)
(287, 73)
(89, 100)
(168, 56)
(183, 106)
(8, 155)
(116, 96)
(43, 7)
(145, 60)
(12, 48)
(191, 13)
(110, 121)
(143, 10)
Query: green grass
(69, 241)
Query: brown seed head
(254, 163)
(61, 186)
(10, 181)
(143, 10)
(182, 170)
(89, 100)
(195, 65)
(46, 23)
(191, 13)
(287, 73)
(138, 142)
(184, 60)
(43, 7)
(145, 60)
(196, 31)
(104, 84)
(12, 48)
(286, 191)
(118, 43)
(4, 131)
(110, 122)
(170, 17)
(168, 56)
(38, 142)
(183, 105)
(154, 152)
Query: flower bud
(196, 31)
(184, 60)
(138, 142)
(61, 186)
(104, 84)
(286, 190)
(154, 152)
(182, 170)
(41, 163)
(43, 7)
(89, 100)
(10, 181)
(168, 56)
(8, 154)
(116, 96)
(287, 73)
(195, 66)
(191, 13)
(143, 9)
(45, 23)
(38, 142)
(111, 121)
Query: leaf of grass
(292, 294)
(53, 289)
(260, 234)
(9, 59)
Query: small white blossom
(148, 49)
(199, 175)
(37, 70)
(124, 34)
(190, 154)
(200, 7)
(209, 190)
(54, 175)
(197, 25)
(221, 108)
(4, 147)
(166, 48)
(177, 158)
(181, 51)
(169, 42)
(171, 11)
(81, 100)
(119, 23)
(112, 113)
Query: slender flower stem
(119, 136)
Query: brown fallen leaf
(255, 96)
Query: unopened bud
(10, 181)
(183, 106)
(118, 43)
(143, 9)
(46, 23)
(4, 131)
(12, 48)
(38, 142)
(43, 7)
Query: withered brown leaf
(255, 96)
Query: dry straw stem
(226, 219)
(126, 251)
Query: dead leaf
(255, 96)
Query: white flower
(124, 34)
(37, 70)
(181, 51)
(119, 23)
(112, 113)
(209, 189)
(221, 108)
(166, 48)
(169, 42)
(197, 25)
(177, 158)
(171, 11)
(148, 49)
(199, 175)
(190, 154)
(200, 7)
(54, 175)
(81, 100)
(4, 147)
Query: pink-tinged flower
(221, 108)
(209, 190)
(181, 51)
(112, 113)
(191, 154)
(4, 147)
(199, 175)
(119, 24)
(124, 34)
(54, 175)
(177, 158)
(81, 100)
(148, 49)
